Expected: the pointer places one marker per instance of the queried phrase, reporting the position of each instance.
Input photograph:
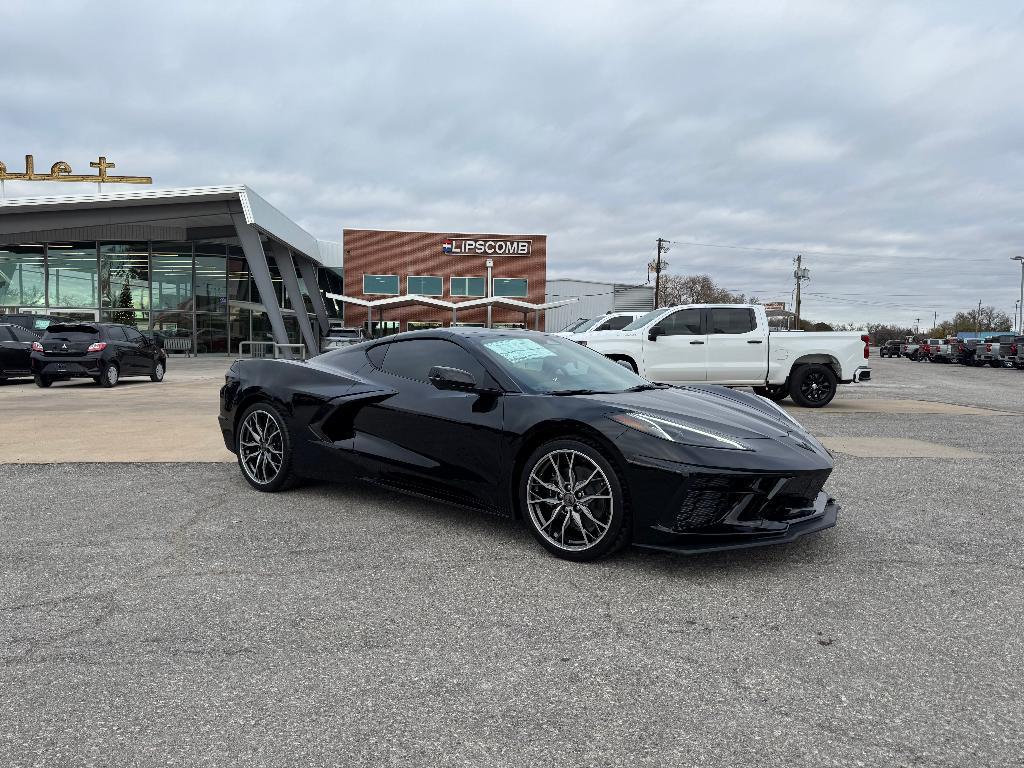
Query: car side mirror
(655, 332)
(457, 379)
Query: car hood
(720, 410)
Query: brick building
(448, 266)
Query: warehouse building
(592, 299)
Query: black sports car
(591, 456)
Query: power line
(841, 254)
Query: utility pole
(978, 330)
(1020, 322)
(935, 320)
(663, 247)
(800, 274)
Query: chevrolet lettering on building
(465, 247)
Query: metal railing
(270, 349)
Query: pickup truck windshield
(554, 365)
(643, 320)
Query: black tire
(774, 393)
(616, 516)
(995, 363)
(42, 381)
(159, 369)
(284, 476)
(111, 375)
(813, 386)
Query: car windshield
(643, 320)
(71, 333)
(555, 365)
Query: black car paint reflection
(689, 468)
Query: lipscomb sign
(465, 246)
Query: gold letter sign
(61, 171)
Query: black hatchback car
(104, 352)
(15, 350)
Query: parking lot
(154, 610)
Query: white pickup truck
(730, 344)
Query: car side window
(115, 333)
(134, 336)
(413, 359)
(731, 321)
(685, 322)
(7, 334)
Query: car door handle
(755, 341)
(696, 342)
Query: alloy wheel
(569, 500)
(816, 386)
(112, 374)
(261, 447)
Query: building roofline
(257, 212)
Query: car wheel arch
(259, 396)
(558, 429)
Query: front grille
(709, 499)
(805, 486)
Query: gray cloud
(888, 130)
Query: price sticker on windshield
(518, 350)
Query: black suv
(15, 350)
(104, 352)
(891, 348)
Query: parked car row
(1003, 350)
(104, 352)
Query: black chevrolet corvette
(591, 456)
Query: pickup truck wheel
(812, 386)
(776, 394)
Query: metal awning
(430, 301)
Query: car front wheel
(572, 500)
(264, 449)
(813, 386)
(158, 371)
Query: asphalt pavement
(166, 614)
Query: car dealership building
(216, 267)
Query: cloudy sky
(881, 139)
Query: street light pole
(1020, 322)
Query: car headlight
(675, 432)
(783, 412)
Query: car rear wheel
(264, 449)
(813, 386)
(774, 393)
(42, 381)
(158, 371)
(572, 500)
(110, 376)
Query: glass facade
(194, 289)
